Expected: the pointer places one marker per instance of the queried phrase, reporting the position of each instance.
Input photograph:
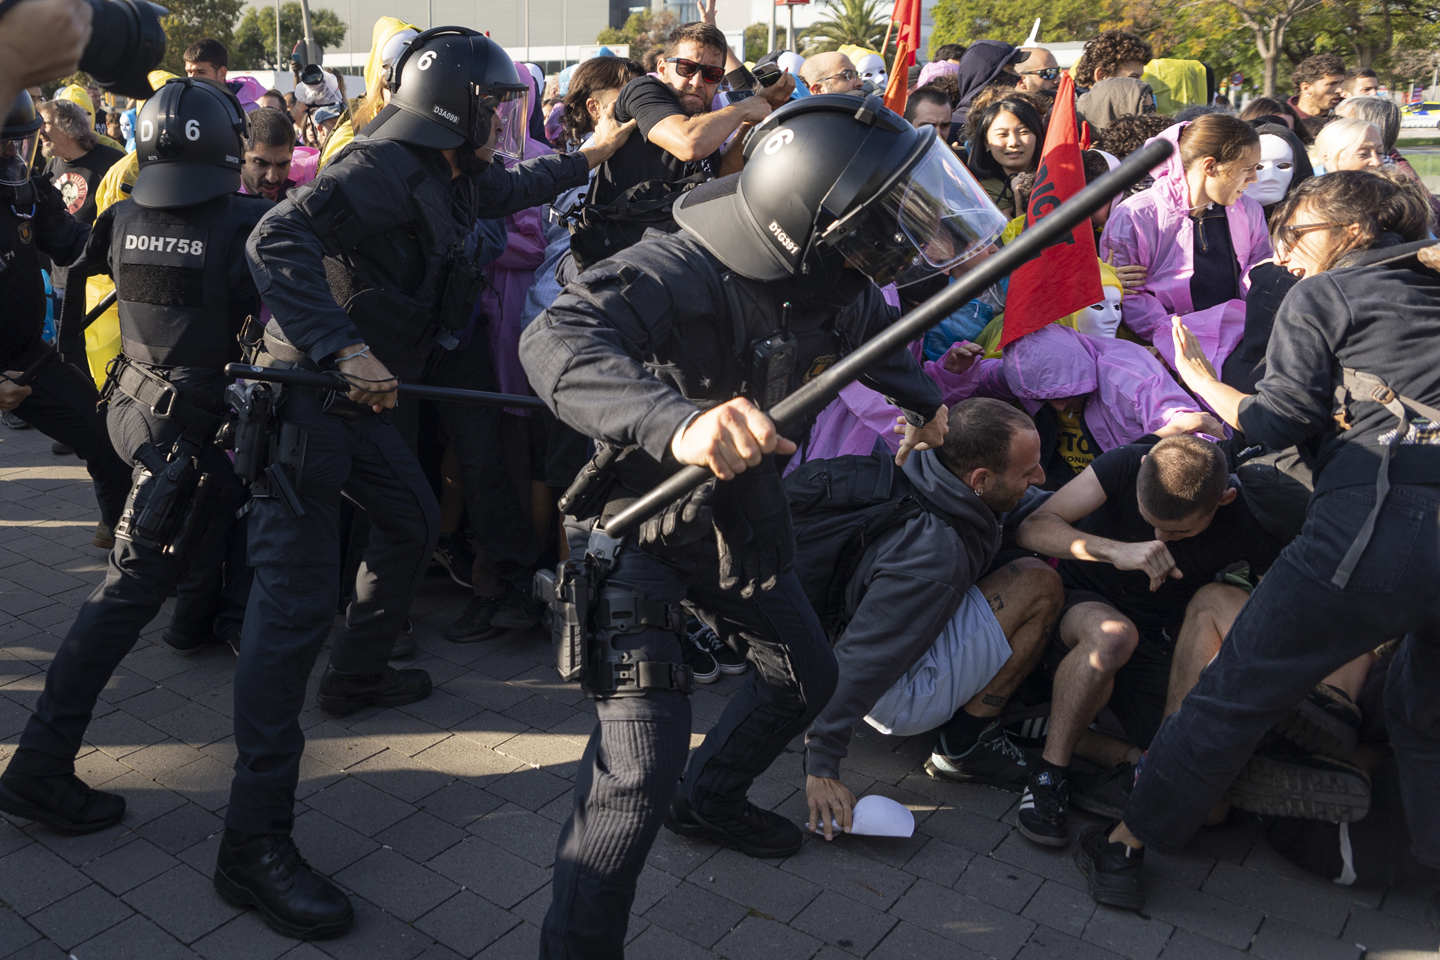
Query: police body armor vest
(394, 251)
(172, 281)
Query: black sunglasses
(687, 68)
(1049, 73)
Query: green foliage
(757, 40)
(962, 21)
(859, 22)
(254, 46)
(191, 20)
(642, 30)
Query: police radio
(772, 362)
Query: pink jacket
(1153, 229)
(1131, 393)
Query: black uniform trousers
(630, 767)
(63, 405)
(137, 581)
(297, 580)
(1296, 629)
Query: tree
(254, 46)
(1269, 21)
(963, 21)
(191, 20)
(859, 22)
(643, 29)
(757, 40)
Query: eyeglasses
(1290, 235)
(1049, 73)
(687, 68)
(842, 75)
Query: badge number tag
(166, 245)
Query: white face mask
(1103, 319)
(1276, 170)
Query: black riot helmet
(18, 140)
(832, 171)
(444, 89)
(190, 140)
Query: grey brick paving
(441, 820)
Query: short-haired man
(207, 59)
(930, 106)
(950, 51)
(272, 98)
(1317, 85)
(831, 72)
(76, 164)
(1360, 82)
(1139, 534)
(1040, 73)
(1113, 53)
(915, 580)
(269, 149)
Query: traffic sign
(1236, 79)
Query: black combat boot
(266, 871)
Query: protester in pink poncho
(513, 273)
(1196, 234)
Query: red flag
(1065, 277)
(907, 42)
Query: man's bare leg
(1101, 640)
(1025, 597)
(1207, 619)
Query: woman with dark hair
(1006, 141)
(1271, 110)
(1196, 234)
(1353, 376)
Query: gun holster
(255, 403)
(589, 491)
(164, 504)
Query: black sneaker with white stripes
(993, 759)
(1044, 809)
(726, 658)
(698, 659)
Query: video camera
(315, 86)
(126, 43)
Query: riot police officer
(35, 383)
(176, 251)
(364, 272)
(666, 354)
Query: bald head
(822, 73)
(1029, 69)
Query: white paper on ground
(877, 816)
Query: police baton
(816, 394)
(333, 381)
(106, 302)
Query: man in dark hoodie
(986, 62)
(914, 580)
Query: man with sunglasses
(680, 140)
(1040, 73)
(831, 73)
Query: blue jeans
(1296, 629)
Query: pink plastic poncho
(1131, 393)
(1153, 229)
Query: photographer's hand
(40, 40)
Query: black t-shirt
(78, 180)
(647, 101)
(1217, 271)
(1233, 537)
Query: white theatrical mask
(1103, 319)
(1276, 170)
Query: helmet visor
(17, 158)
(514, 117)
(925, 223)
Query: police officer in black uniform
(666, 353)
(35, 383)
(364, 272)
(176, 251)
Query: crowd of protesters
(1081, 609)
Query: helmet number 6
(427, 59)
(192, 130)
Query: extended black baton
(327, 381)
(819, 392)
(106, 302)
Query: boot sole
(937, 774)
(19, 807)
(1315, 731)
(1279, 789)
(1040, 838)
(238, 895)
(703, 831)
(174, 641)
(344, 706)
(733, 669)
(1127, 895)
(1099, 808)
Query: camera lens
(312, 74)
(126, 43)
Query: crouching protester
(898, 565)
(176, 249)
(668, 354)
(1352, 374)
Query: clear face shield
(511, 123)
(17, 159)
(926, 222)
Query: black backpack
(840, 507)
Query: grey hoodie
(906, 588)
(1113, 98)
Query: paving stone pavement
(441, 819)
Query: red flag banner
(1066, 276)
(907, 42)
